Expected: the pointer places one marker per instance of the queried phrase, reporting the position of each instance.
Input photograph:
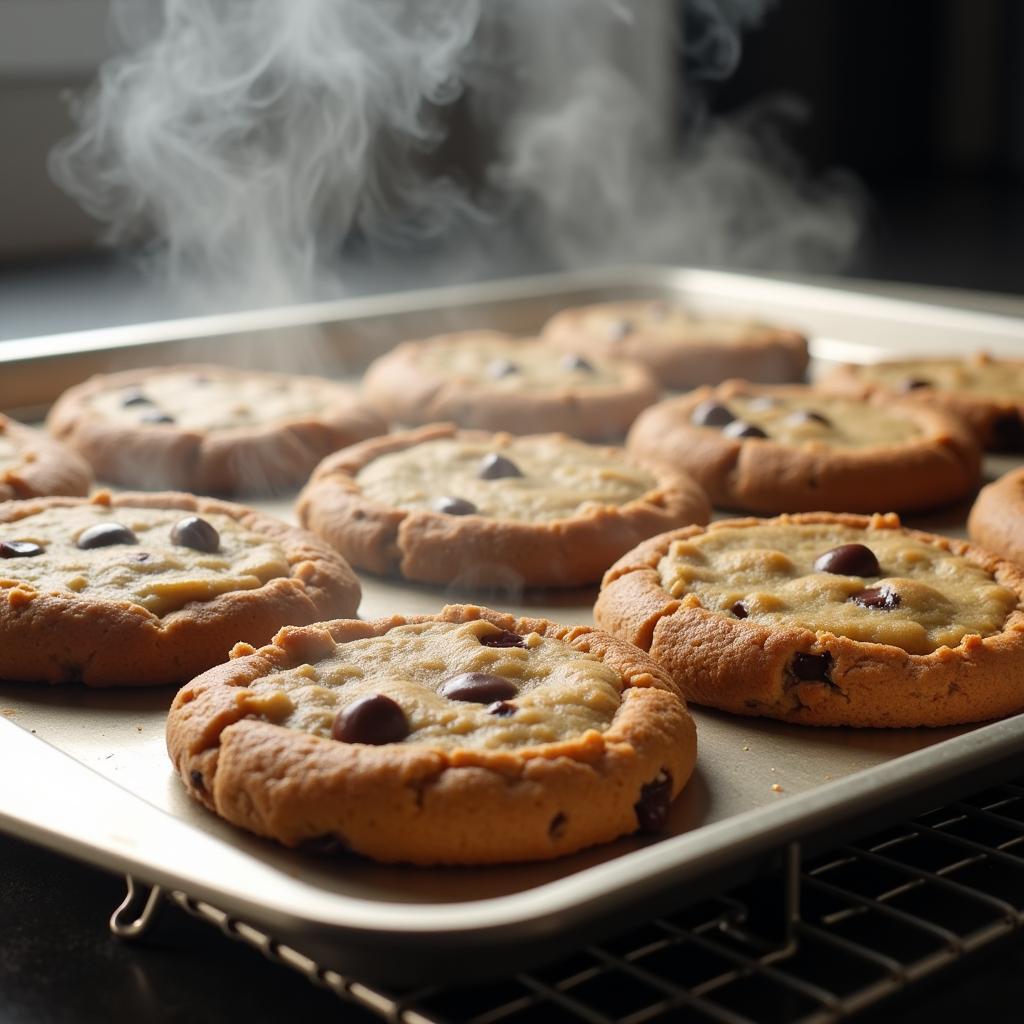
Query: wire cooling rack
(830, 936)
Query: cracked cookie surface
(826, 620)
(465, 737)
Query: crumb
(746, 748)
(776, 788)
(8, 712)
(138, 728)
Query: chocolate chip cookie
(34, 465)
(493, 381)
(996, 517)
(826, 620)
(209, 429)
(468, 737)
(682, 350)
(987, 393)
(443, 505)
(144, 589)
(791, 449)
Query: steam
(245, 141)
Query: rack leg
(137, 911)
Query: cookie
(468, 737)
(493, 381)
(826, 620)
(996, 517)
(442, 505)
(146, 589)
(987, 393)
(682, 350)
(209, 429)
(33, 465)
(791, 449)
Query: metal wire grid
(874, 917)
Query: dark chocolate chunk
(740, 428)
(655, 799)
(103, 535)
(197, 780)
(739, 609)
(499, 368)
(157, 417)
(501, 708)
(557, 827)
(135, 397)
(913, 383)
(478, 688)
(19, 549)
(452, 506)
(884, 598)
(506, 638)
(497, 467)
(801, 416)
(328, 844)
(573, 362)
(196, 533)
(141, 556)
(848, 560)
(618, 330)
(373, 719)
(711, 414)
(811, 668)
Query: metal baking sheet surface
(757, 785)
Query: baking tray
(85, 772)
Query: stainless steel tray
(400, 925)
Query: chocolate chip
(451, 506)
(884, 598)
(739, 609)
(557, 827)
(801, 416)
(913, 383)
(501, 708)
(156, 417)
(197, 780)
(505, 638)
(848, 560)
(497, 467)
(811, 668)
(655, 799)
(711, 414)
(478, 688)
(196, 533)
(141, 556)
(135, 397)
(328, 844)
(740, 428)
(19, 549)
(374, 719)
(104, 535)
(576, 363)
(498, 368)
(619, 330)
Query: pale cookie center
(921, 598)
(530, 480)
(838, 423)
(517, 366)
(195, 401)
(153, 572)
(546, 690)
(985, 379)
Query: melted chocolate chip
(498, 368)
(619, 330)
(848, 560)
(135, 397)
(104, 535)
(811, 668)
(740, 428)
(328, 844)
(655, 799)
(501, 708)
(196, 533)
(913, 383)
(478, 688)
(739, 609)
(557, 827)
(141, 556)
(374, 719)
(497, 467)
(800, 416)
(197, 780)
(506, 638)
(711, 414)
(19, 549)
(884, 598)
(576, 363)
(156, 417)
(452, 506)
